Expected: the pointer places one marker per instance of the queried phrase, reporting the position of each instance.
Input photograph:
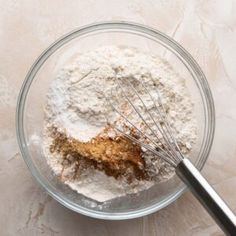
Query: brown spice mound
(115, 156)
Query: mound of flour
(76, 105)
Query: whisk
(167, 147)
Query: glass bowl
(30, 114)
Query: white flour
(77, 106)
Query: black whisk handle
(207, 196)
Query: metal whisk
(167, 147)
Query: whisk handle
(207, 196)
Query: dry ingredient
(81, 146)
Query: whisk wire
(169, 147)
(159, 127)
(171, 154)
(148, 147)
(165, 146)
(135, 108)
(164, 116)
(177, 155)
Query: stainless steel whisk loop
(168, 149)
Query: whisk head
(133, 100)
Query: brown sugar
(115, 156)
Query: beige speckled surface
(207, 29)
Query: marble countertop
(207, 29)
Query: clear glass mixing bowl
(30, 114)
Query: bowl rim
(177, 49)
